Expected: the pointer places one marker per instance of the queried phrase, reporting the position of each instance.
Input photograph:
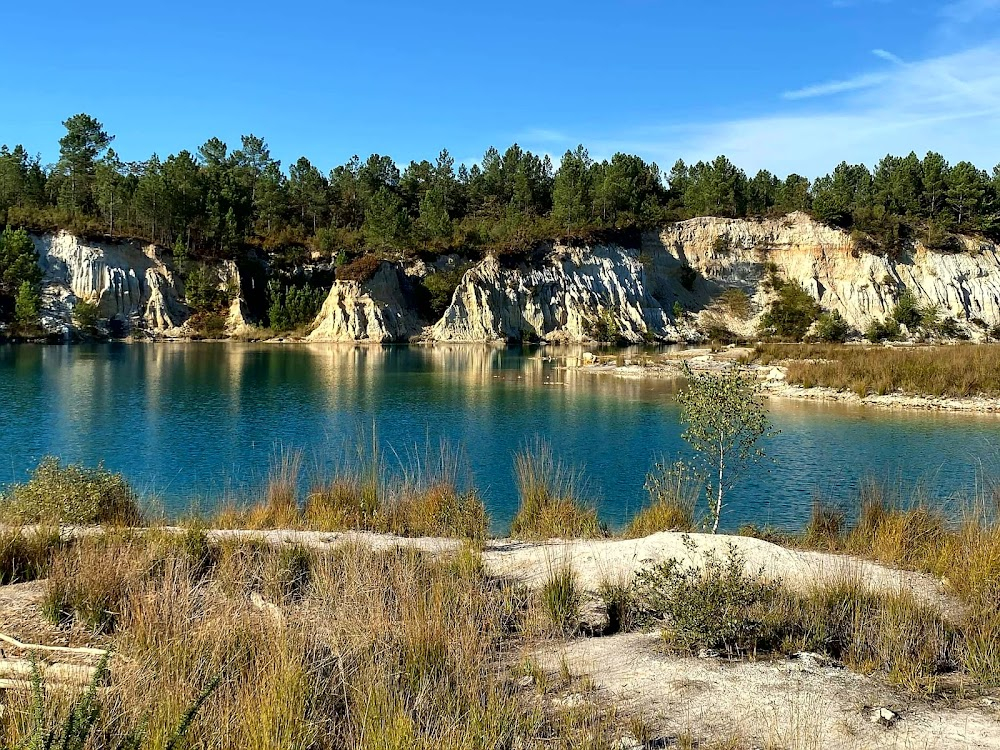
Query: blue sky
(791, 86)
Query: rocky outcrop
(862, 286)
(375, 310)
(132, 286)
(564, 298)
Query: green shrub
(832, 328)
(73, 494)
(604, 328)
(907, 311)
(441, 287)
(887, 331)
(736, 302)
(293, 306)
(201, 289)
(720, 606)
(790, 315)
(86, 315)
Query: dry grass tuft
(24, 553)
(673, 497)
(551, 498)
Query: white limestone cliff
(374, 310)
(693, 262)
(861, 286)
(560, 299)
(129, 283)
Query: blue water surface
(189, 422)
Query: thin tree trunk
(718, 498)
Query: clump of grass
(891, 633)
(88, 581)
(551, 503)
(72, 494)
(24, 554)
(825, 527)
(913, 533)
(431, 496)
(561, 598)
(957, 370)
(279, 507)
(621, 604)
(673, 496)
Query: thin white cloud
(949, 104)
(886, 55)
(837, 87)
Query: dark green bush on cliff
(790, 315)
(441, 286)
(832, 328)
(293, 306)
(361, 269)
(71, 493)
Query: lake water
(189, 421)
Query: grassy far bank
(956, 371)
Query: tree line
(222, 203)
(219, 202)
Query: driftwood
(56, 649)
(16, 672)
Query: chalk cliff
(131, 285)
(860, 285)
(375, 310)
(691, 263)
(563, 298)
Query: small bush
(831, 328)
(736, 302)
(888, 331)
(361, 269)
(604, 329)
(792, 313)
(907, 311)
(72, 493)
(720, 605)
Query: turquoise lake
(188, 422)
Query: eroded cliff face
(130, 284)
(860, 285)
(375, 310)
(692, 263)
(561, 299)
